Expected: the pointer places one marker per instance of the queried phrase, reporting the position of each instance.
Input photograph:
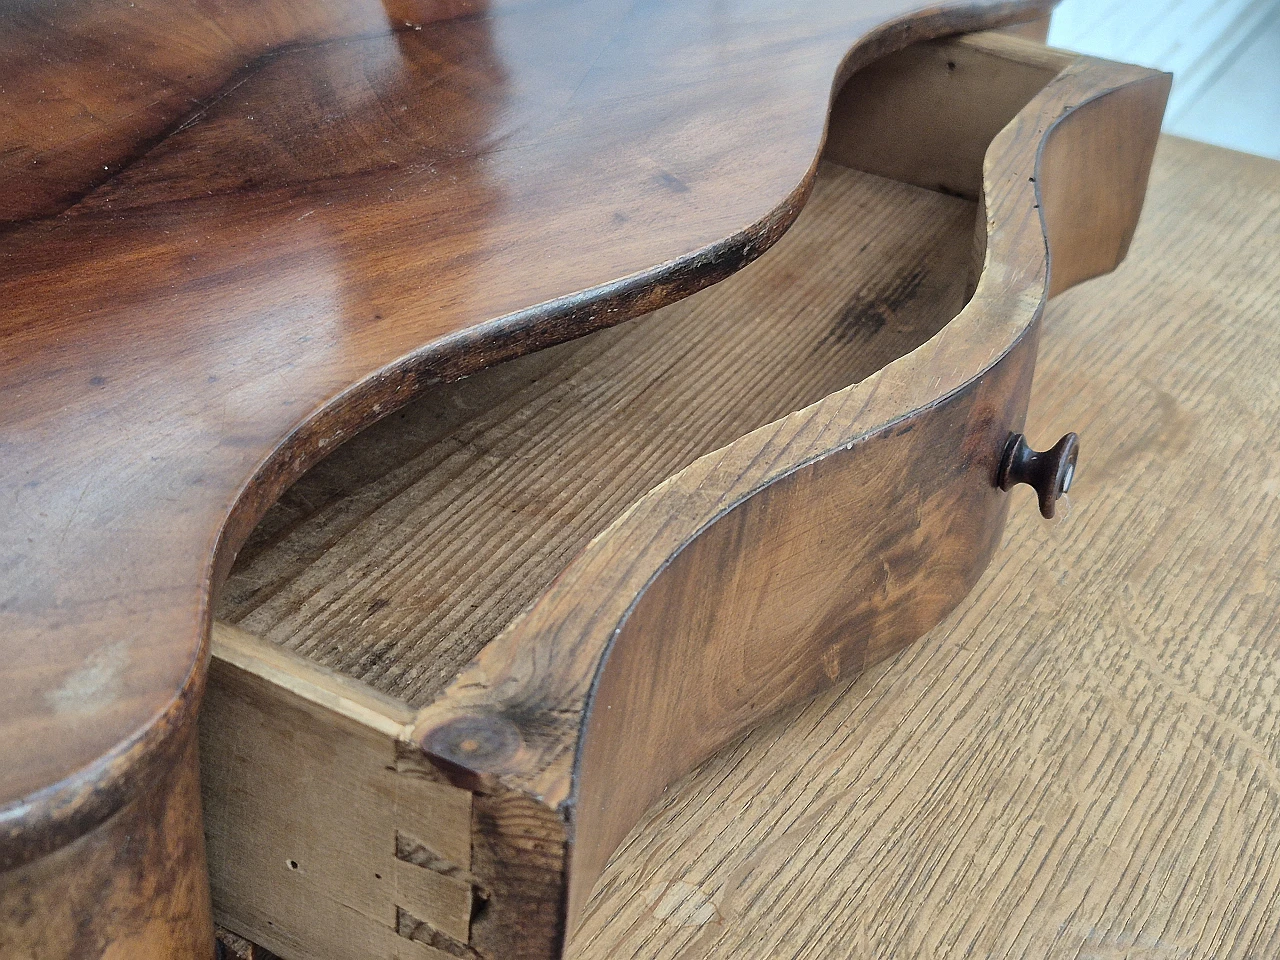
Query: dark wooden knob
(1049, 472)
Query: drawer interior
(396, 559)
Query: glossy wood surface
(408, 548)
(238, 234)
(1079, 763)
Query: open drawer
(460, 658)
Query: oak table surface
(1083, 761)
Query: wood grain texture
(329, 210)
(463, 507)
(1079, 763)
(927, 114)
(238, 948)
(566, 705)
(399, 557)
(824, 572)
(319, 839)
(133, 889)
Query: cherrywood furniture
(223, 256)
(1080, 761)
(703, 514)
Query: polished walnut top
(235, 235)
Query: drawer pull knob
(1049, 472)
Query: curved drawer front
(502, 621)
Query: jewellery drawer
(464, 653)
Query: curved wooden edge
(43, 819)
(136, 886)
(570, 723)
(57, 815)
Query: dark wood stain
(197, 236)
(869, 313)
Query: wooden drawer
(458, 660)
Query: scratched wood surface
(1081, 762)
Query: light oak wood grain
(310, 760)
(1080, 762)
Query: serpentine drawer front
(461, 656)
